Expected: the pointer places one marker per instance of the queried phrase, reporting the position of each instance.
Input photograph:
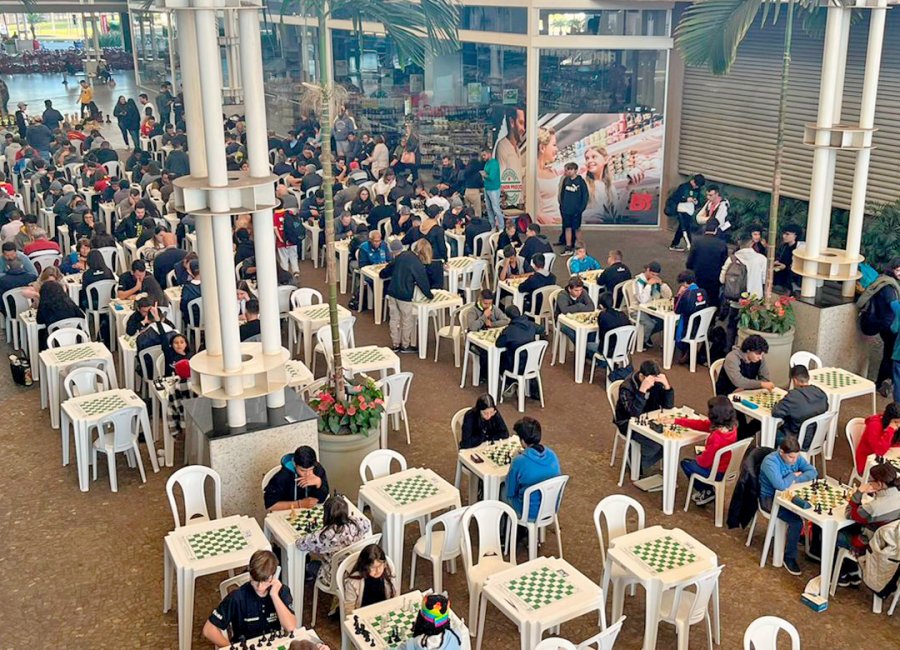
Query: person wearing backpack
(681, 204)
(743, 272)
(876, 316)
(343, 127)
(706, 258)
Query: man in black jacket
(535, 243)
(691, 192)
(573, 199)
(801, 403)
(406, 272)
(706, 259)
(477, 226)
(300, 483)
(646, 390)
(521, 330)
(540, 278)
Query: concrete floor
(85, 570)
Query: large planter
(779, 357)
(341, 456)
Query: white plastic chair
(549, 260)
(342, 563)
(524, 372)
(268, 476)
(683, 608)
(192, 481)
(118, 432)
(854, 432)
(699, 323)
(195, 322)
(455, 331)
(543, 304)
(808, 359)
(614, 356)
(817, 445)
(396, 392)
(714, 369)
(67, 336)
(489, 517)
(46, 260)
(76, 323)
(170, 279)
(231, 584)
(14, 303)
(551, 492)
(456, 423)
(606, 639)
(285, 293)
(762, 634)
(147, 359)
(377, 464)
(112, 167)
(481, 246)
(324, 342)
(737, 451)
(612, 396)
(615, 511)
(472, 281)
(99, 294)
(80, 381)
(555, 643)
(304, 297)
(110, 256)
(439, 546)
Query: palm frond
(710, 32)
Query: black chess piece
(291, 634)
(356, 626)
(830, 510)
(818, 508)
(243, 643)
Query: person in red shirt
(721, 423)
(6, 186)
(77, 133)
(881, 433)
(41, 245)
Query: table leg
(771, 533)
(186, 609)
(128, 369)
(580, 347)
(829, 539)
(832, 428)
(394, 528)
(462, 381)
(491, 488)
(83, 454)
(168, 569)
(378, 286)
(298, 566)
(148, 440)
(668, 342)
(651, 621)
(670, 476)
(519, 300)
(452, 282)
(343, 264)
(767, 431)
(307, 343)
(716, 614)
(111, 371)
(44, 384)
(53, 396)
(168, 439)
(32, 334)
(494, 372)
(64, 438)
(423, 332)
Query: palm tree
(708, 35)
(416, 28)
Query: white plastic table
(655, 582)
(187, 554)
(403, 608)
(485, 339)
(892, 456)
(521, 594)
(120, 311)
(128, 355)
(160, 397)
(442, 300)
(342, 249)
(664, 310)
(457, 267)
(28, 318)
(308, 320)
(298, 375)
(108, 215)
(511, 286)
(673, 439)
(190, 241)
(313, 230)
(590, 283)
(763, 413)
(369, 359)
(55, 360)
(284, 528)
(174, 296)
(403, 497)
(85, 411)
(840, 385)
(493, 469)
(460, 239)
(830, 524)
(129, 247)
(371, 272)
(583, 324)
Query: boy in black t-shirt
(300, 483)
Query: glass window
(608, 22)
(507, 20)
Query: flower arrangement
(359, 413)
(773, 316)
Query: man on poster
(507, 153)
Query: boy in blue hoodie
(535, 464)
(300, 483)
(689, 299)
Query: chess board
(74, 353)
(515, 282)
(499, 453)
(590, 276)
(307, 520)
(489, 335)
(835, 378)
(439, 296)
(212, 543)
(826, 495)
(375, 268)
(364, 356)
(410, 490)
(585, 318)
(129, 341)
(663, 554)
(319, 312)
(541, 587)
(662, 305)
(103, 404)
(28, 315)
(460, 262)
(401, 619)
(765, 399)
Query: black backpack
(868, 319)
(294, 232)
(735, 280)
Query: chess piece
(830, 511)
(818, 507)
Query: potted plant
(349, 429)
(773, 319)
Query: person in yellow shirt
(86, 99)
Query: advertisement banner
(619, 155)
(509, 150)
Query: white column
(134, 47)
(866, 121)
(209, 296)
(532, 90)
(190, 84)
(173, 68)
(822, 154)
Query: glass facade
(506, 20)
(151, 43)
(606, 22)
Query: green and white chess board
(489, 335)
(765, 400)
(585, 318)
(824, 494)
(439, 296)
(835, 378)
(301, 520)
(364, 356)
(663, 554)
(103, 404)
(410, 490)
(541, 587)
(75, 353)
(460, 262)
(400, 619)
(500, 453)
(590, 276)
(316, 313)
(515, 282)
(662, 305)
(212, 543)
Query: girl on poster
(547, 178)
(598, 176)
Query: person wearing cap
(22, 119)
(649, 286)
(432, 628)
(406, 274)
(681, 204)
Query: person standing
(876, 316)
(491, 175)
(51, 117)
(129, 118)
(164, 102)
(4, 98)
(573, 199)
(716, 209)
(22, 119)
(784, 258)
(473, 182)
(708, 255)
(86, 99)
(682, 204)
(406, 273)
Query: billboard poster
(509, 150)
(618, 154)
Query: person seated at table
(191, 290)
(130, 283)
(541, 277)
(339, 530)
(485, 314)
(534, 244)
(582, 262)
(882, 432)
(509, 236)
(76, 261)
(432, 628)
(875, 503)
(745, 367)
(175, 349)
(374, 251)
(260, 606)
(614, 274)
(478, 225)
(379, 211)
(413, 233)
(370, 581)
(54, 305)
(521, 330)
(33, 290)
(432, 231)
(648, 286)
(646, 390)
(801, 403)
(101, 238)
(574, 300)
(96, 271)
(780, 470)
(689, 299)
(535, 464)
(482, 423)
(434, 269)
(300, 483)
(40, 245)
(251, 325)
(140, 317)
(15, 277)
(721, 425)
(512, 266)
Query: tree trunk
(327, 183)
(779, 151)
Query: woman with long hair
(483, 423)
(547, 178)
(434, 269)
(371, 580)
(55, 305)
(340, 529)
(432, 628)
(598, 176)
(362, 204)
(97, 270)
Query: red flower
(378, 401)
(339, 409)
(351, 410)
(363, 407)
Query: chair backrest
(807, 359)
(615, 510)
(612, 395)
(147, 358)
(268, 476)
(192, 480)
(125, 426)
(703, 585)
(541, 305)
(307, 392)
(451, 522)
(854, 432)
(737, 451)
(72, 170)
(305, 297)
(195, 312)
(396, 391)
(551, 491)
(627, 295)
(481, 246)
(623, 337)
(488, 517)
(534, 358)
(110, 256)
(285, 292)
(112, 167)
(698, 324)
(549, 259)
(46, 260)
(606, 640)
(762, 634)
(100, 293)
(378, 464)
(323, 336)
(555, 643)
(475, 277)
(160, 366)
(67, 336)
(68, 323)
(85, 381)
(552, 298)
(456, 423)
(344, 560)
(821, 424)
(15, 302)
(170, 279)
(714, 369)
(384, 225)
